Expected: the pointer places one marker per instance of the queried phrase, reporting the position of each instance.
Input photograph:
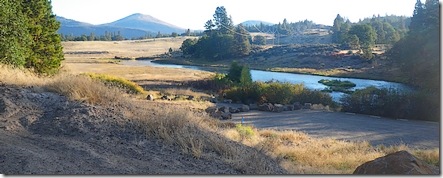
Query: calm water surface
(310, 81)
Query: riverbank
(384, 73)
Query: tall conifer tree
(46, 49)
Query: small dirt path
(347, 126)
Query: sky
(193, 14)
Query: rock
(398, 163)
(210, 110)
(217, 114)
(289, 107)
(234, 110)
(244, 108)
(191, 97)
(297, 106)
(224, 109)
(150, 97)
(227, 101)
(226, 116)
(278, 108)
(307, 106)
(164, 97)
(213, 100)
(266, 107)
(253, 107)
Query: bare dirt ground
(45, 133)
(347, 126)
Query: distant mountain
(71, 23)
(255, 22)
(133, 26)
(146, 23)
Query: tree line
(118, 36)
(28, 31)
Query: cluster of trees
(365, 34)
(221, 39)
(418, 55)
(29, 35)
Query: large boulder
(253, 106)
(226, 116)
(278, 108)
(297, 106)
(244, 108)
(234, 110)
(398, 163)
(266, 107)
(289, 107)
(224, 109)
(307, 106)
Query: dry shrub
(82, 88)
(19, 77)
(199, 136)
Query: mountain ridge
(132, 26)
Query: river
(309, 81)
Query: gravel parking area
(348, 126)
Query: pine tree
(223, 23)
(14, 37)
(46, 49)
(241, 45)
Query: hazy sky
(194, 13)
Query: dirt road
(347, 126)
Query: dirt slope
(45, 133)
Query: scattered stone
(191, 97)
(164, 97)
(398, 163)
(150, 97)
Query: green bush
(278, 92)
(239, 74)
(282, 93)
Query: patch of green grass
(128, 86)
(337, 85)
